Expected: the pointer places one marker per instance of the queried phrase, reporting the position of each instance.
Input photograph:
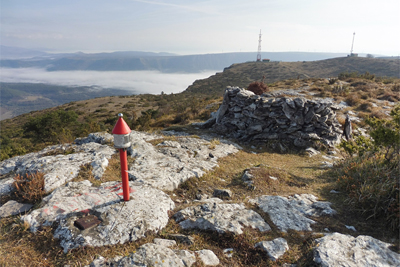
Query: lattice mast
(259, 48)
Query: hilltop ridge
(243, 74)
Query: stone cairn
(249, 117)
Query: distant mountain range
(12, 57)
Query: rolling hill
(243, 74)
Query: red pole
(124, 174)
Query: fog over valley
(137, 82)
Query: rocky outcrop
(344, 250)
(119, 221)
(60, 163)
(84, 215)
(246, 116)
(291, 213)
(220, 217)
(170, 163)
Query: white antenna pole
(351, 51)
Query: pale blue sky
(197, 27)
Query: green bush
(344, 75)
(52, 126)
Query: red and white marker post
(121, 133)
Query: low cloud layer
(137, 82)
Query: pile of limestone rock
(246, 116)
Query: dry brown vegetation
(29, 187)
(258, 88)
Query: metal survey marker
(87, 222)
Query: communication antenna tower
(351, 51)
(259, 48)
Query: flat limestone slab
(344, 250)
(158, 254)
(12, 207)
(147, 210)
(221, 218)
(170, 163)
(291, 213)
(151, 255)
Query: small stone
(99, 262)
(312, 152)
(332, 152)
(201, 196)
(6, 185)
(352, 228)
(184, 239)
(222, 193)
(247, 176)
(228, 252)
(188, 258)
(164, 242)
(275, 248)
(12, 207)
(208, 257)
(326, 164)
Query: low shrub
(29, 187)
(332, 80)
(340, 89)
(258, 88)
(365, 106)
(352, 99)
